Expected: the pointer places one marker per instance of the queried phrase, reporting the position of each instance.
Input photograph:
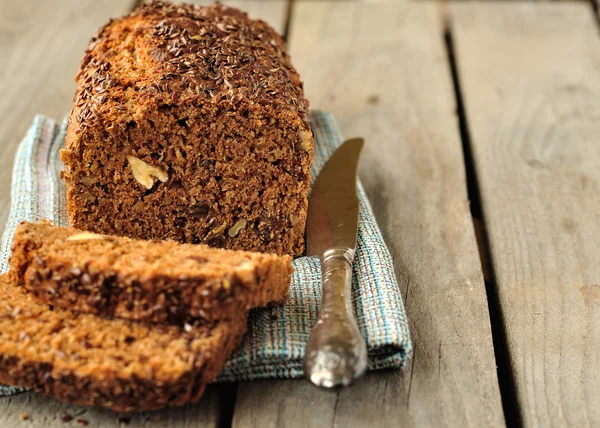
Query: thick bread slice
(158, 281)
(119, 364)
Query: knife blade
(335, 353)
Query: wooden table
(483, 167)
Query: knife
(336, 353)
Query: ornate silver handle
(336, 353)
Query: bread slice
(157, 281)
(119, 364)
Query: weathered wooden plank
(42, 412)
(530, 75)
(382, 69)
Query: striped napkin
(274, 344)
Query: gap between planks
(506, 378)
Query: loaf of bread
(190, 124)
(154, 281)
(118, 364)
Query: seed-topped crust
(187, 53)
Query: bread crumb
(373, 99)
(66, 418)
(82, 422)
(23, 416)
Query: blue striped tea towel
(274, 344)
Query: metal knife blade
(333, 205)
(335, 353)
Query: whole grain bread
(157, 281)
(190, 123)
(122, 365)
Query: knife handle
(336, 353)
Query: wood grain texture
(530, 76)
(274, 12)
(42, 412)
(381, 68)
